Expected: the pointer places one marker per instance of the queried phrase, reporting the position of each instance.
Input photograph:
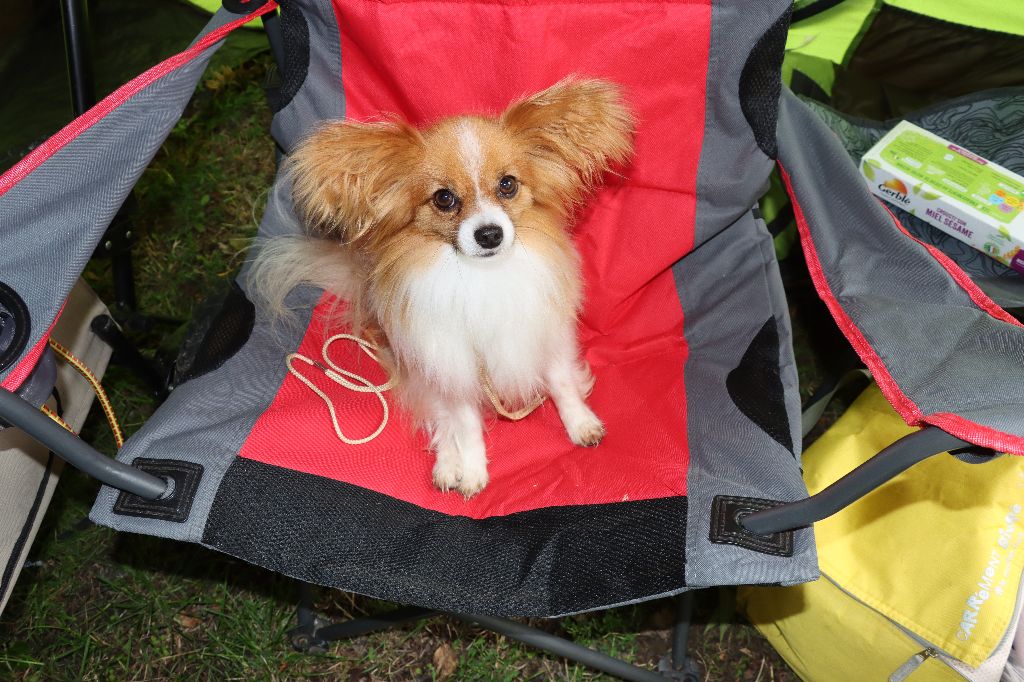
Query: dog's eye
(508, 186)
(445, 200)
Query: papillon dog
(451, 246)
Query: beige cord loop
(338, 376)
(522, 413)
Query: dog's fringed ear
(575, 131)
(348, 178)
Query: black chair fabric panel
(546, 562)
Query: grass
(97, 605)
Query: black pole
(78, 48)
(562, 647)
(310, 635)
(78, 51)
(126, 354)
(304, 613)
(681, 630)
(891, 461)
(358, 627)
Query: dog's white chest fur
(503, 315)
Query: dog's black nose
(488, 236)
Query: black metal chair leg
(117, 240)
(78, 50)
(306, 615)
(303, 636)
(381, 621)
(126, 354)
(314, 634)
(681, 630)
(678, 665)
(562, 647)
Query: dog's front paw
(587, 431)
(466, 474)
(448, 474)
(474, 479)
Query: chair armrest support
(888, 463)
(76, 452)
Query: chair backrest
(684, 321)
(702, 78)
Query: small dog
(451, 246)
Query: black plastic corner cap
(727, 513)
(176, 504)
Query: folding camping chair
(685, 324)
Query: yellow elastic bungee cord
(101, 395)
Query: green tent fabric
(828, 34)
(883, 58)
(1005, 17)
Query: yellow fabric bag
(921, 577)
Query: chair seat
(559, 529)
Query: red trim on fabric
(979, 297)
(893, 393)
(973, 432)
(28, 362)
(953, 424)
(68, 133)
(72, 130)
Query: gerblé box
(957, 191)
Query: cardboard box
(957, 191)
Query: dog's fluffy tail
(283, 263)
